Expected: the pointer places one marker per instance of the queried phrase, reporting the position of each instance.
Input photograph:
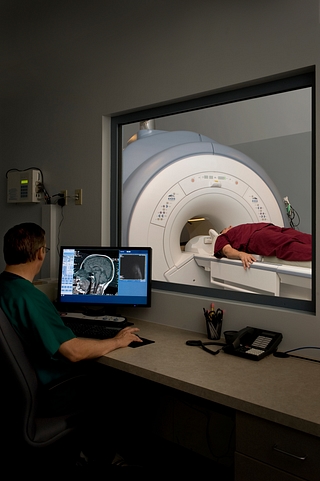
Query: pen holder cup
(214, 329)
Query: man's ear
(40, 254)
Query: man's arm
(79, 349)
(231, 253)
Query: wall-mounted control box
(22, 186)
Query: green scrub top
(38, 324)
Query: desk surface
(286, 391)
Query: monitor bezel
(104, 307)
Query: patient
(262, 238)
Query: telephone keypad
(255, 352)
(262, 342)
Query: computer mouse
(139, 344)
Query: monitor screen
(104, 277)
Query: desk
(274, 390)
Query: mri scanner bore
(171, 179)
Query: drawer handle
(301, 458)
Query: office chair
(27, 436)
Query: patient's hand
(246, 259)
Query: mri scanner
(172, 177)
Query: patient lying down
(261, 238)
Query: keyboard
(94, 331)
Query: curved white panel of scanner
(222, 189)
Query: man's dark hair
(21, 243)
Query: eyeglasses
(47, 249)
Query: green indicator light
(24, 181)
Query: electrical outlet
(65, 196)
(78, 197)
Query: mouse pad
(139, 344)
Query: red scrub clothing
(267, 240)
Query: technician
(56, 353)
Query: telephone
(253, 343)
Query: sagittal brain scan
(97, 274)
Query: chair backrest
(18, 379)
(21, 393)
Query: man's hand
(78, 349)
(126, 336)
(246, 259)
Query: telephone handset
(253, 343)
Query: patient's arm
(231, 253)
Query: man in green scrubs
(55, 351)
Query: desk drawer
(250, 469)
(284, 448)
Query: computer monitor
(104, 279)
